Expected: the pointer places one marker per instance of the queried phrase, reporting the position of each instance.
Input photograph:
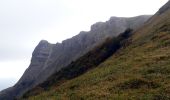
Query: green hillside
(140, 70)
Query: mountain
(88, 61)
(48, 58)
(139, 70)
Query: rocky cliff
(137, 71)
(48, 58)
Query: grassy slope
(139, 71)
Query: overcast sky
(23, 23)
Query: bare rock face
(39, 58)
(69, 50)
(48, 58)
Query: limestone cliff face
(39, 58)
(148, 38)
(69, 50)
(48, 58)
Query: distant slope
(48, 58)
(139, 71)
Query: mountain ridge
(86, 62)
(61, 54)
(140, 71)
